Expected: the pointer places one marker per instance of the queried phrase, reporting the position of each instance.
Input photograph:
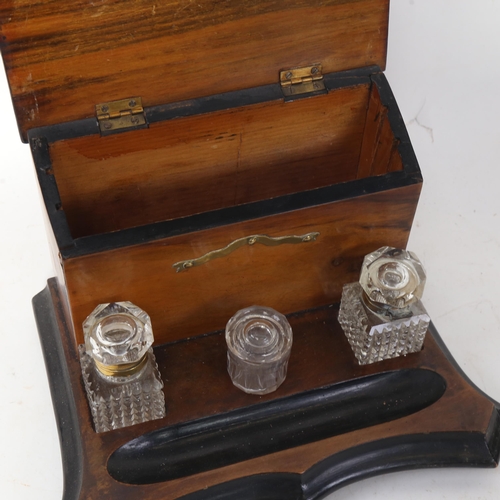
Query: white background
(444, 68)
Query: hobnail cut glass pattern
(393, 277)
(259, 341)
(117, 402)
(117, 333)
(371, 336)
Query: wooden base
(332, 422)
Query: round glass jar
(259, 341)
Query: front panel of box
(288, 277)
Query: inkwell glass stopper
(119, 369)
(259, 341)
(382, 315)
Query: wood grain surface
(287, 278)
(197, 385)
(64, 58)
(196, 164)
(222, 160)
(379, 149)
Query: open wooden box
(165, 136)
(130, 210)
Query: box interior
(195, 164)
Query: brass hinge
(302, 80)
(121, 115)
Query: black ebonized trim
(203, 105)
(350, 78)
(259, 487)
(66, 130)
(62, 395)
(232, 215)
(218, 102)
(493, 436)
(417, 451)
(210, 443)
(50, 191)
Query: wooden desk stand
(331, 423)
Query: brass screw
(132, 103)
(288, 75)
(134, 120)
(107, 125)
(314, 70)
(104, 109)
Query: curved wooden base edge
(477, 448)
(419, 451)
(47, 319)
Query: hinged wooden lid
(62, 58)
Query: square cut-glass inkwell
(382, 315)
(119, 369)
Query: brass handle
(263, 239)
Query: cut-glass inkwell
(382, 315)
(119, 369)
(259, 341)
